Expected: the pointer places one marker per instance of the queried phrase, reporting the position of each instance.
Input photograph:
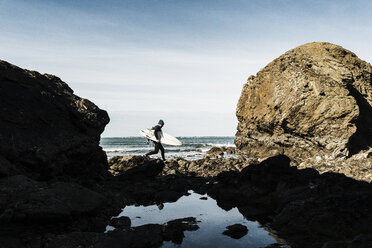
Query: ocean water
(192, 147)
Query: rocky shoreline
(304, 175)
(306, 208)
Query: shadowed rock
(31, 201)
(122, 222)
(146, 170)
(302, 206)
(46, 130)
(49, 147)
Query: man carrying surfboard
(158, 145)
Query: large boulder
(313, 100)
(46, 130)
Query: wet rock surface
(314, 100)
(221, 150)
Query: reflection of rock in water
(174, 229)
(212, 221)
(150, 235)
(236, 231)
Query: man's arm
(156, 132)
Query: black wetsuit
(158, 145)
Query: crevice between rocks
(362, 138)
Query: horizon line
(194, 136)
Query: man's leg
(154, 151)
(162, 151)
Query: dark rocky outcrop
(49, 148)
(46, 130)
(314, 100)
(26, 200)
(122, 222)
(146, 170)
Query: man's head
(161, 123)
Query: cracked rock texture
(314, 100)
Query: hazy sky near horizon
(183, 61)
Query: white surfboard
(165, 138)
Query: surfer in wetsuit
(158, 145)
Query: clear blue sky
(183, 61)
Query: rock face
(49, 148)
(46, 130)
(314, 99)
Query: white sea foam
(192, 148)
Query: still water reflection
(213, 221)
